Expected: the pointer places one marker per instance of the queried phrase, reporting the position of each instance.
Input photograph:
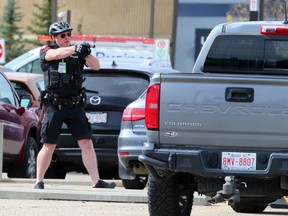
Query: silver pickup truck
(222, 130)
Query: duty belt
(69, 102)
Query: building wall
(107, 17)
(196, 18)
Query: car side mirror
(26, 100)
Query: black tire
(250, 206)
(169, 198)
(27, 169)
(139, 183)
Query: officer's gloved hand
(84, 49)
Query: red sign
(1, 51)
(161, 43)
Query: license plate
(97, 117)
(238, 161)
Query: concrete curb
(99, 195)
(74, 190)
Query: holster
(43, 99)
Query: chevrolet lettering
(230, 109)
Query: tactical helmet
(59, 27)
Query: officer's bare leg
(43, 160)
(89, 159)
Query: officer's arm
(59, 53)
(92, 62)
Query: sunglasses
(64, 35)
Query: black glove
(83, 49)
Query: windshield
(276, 53)
(235, 53)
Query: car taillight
(123, 154)
(133, 114)
(152, 107)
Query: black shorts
(74, 118)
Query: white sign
(253, 5)
(161, 49)
(2, 51)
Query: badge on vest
(62, 67)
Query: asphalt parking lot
(75, 196)
(72, 196)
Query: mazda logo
(95, 100)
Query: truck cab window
(235, 53)
(276, 54)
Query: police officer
(63, 65)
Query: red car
(20, 132)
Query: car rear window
(20, 88)
(247, 54)
(119, 84)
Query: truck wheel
(169, 198)
(250, 206)
(139, 183)
(27, 169)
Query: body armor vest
(71, 80)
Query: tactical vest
(72, 79)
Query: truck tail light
(152, 107)
(274, 30)
(133, 114)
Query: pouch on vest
(66, 78)
(78, 80)
(52, 79)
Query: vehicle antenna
(285, 13)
